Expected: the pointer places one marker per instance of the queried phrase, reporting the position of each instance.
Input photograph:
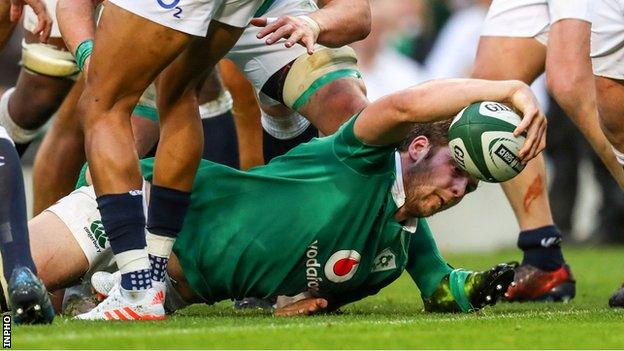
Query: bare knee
(57, 255)
(335, 103)
(610, 94)
(36, 98)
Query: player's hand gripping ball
(482, 141)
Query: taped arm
(342, 21)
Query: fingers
(270, 27)
(293, 29)
(309, 42)
(282, 32)
(294, 38)
(527, 119)
(302, 308)
(44, 27)
(536, 139)
(258, 21)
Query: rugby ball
(482, 141)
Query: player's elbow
(411, 104)
(363, 27)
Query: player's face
(436, 183)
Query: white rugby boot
(117, 307)
(103, 282)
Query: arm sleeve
(359, 157)
(425, 263)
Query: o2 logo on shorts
(172, 5)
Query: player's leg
(6, 26)
(325, 87)
(26, 296)
(571, 82)
(334, 103)
(116, 81)
(181, 140)
(523, 58)
(60, 155)
(215, 111)
(610, 99)
(59, 259)
(607, 51)
(42, 85)
(607, 54)
(246, 115)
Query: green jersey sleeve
(425, 263)
(147, 168)
(361, 158)
(82, 177)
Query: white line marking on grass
(174, 331)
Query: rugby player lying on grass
(336, 219)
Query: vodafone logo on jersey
(342, 265)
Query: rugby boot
(103, 282)
(617, 299)
(28, 298)
(117, 307)
(466, 291)
(534, 284)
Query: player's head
(433, 181)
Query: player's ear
(419, 148)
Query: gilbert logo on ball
(342, 265)
(482, 141)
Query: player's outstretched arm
(337, 23)
(389, 119)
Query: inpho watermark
(6, 331)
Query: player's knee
(12, 129)
(344, 97)
(32, 109)
(613, 129)
(563, 85)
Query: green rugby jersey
(318, 219)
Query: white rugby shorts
(259, 61)
(532, 18)
(78, 211)
(608, 39)
(192, 16)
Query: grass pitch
(392, 319)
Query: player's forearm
(76, 20)
(342, 21)
(442, 99)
